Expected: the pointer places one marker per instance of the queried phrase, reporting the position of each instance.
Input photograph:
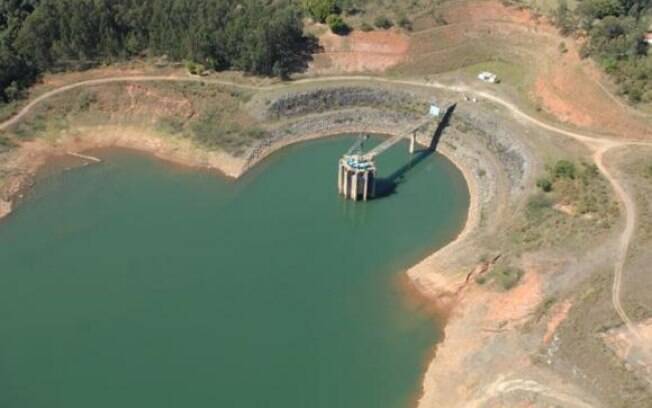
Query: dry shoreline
(471, 224)
(30, 156)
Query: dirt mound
(146, 100)
(467, 12)
(360, 51)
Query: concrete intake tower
(356, 176)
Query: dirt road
(625, 239)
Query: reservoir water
(134, 283)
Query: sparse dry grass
(635, 167)
(583, 352)
(464, 46)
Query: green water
(134, 283)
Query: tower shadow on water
(386, 186)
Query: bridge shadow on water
(386, 186)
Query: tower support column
(340, 184)
(354, 187)
(365, 192)
(413, 140)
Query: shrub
(383, 22)
(85, 100)
(366, 27)
(194, 68)
(544, 184)
(170, 125)
(440, 19)
(539, 202)
(255, 133)
(564, 169)
(337, 24)
(6, 142)
(480, 279)
(635, 95)
(537, 207)
(508, 277)
(585, 51)
(405, 23)
(544, 307)
(562, 48)
(590, 171)
(648, 171)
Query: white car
(488, 77)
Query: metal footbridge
(410, 133)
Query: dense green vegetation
(616, 39)
(16, 72)
(260, 37)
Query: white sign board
(434, 110)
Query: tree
(263, 38)
(383, 22)
(15, 73)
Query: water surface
(138, 284)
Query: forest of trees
(616, 39)
(262, 37)
(256, 36)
